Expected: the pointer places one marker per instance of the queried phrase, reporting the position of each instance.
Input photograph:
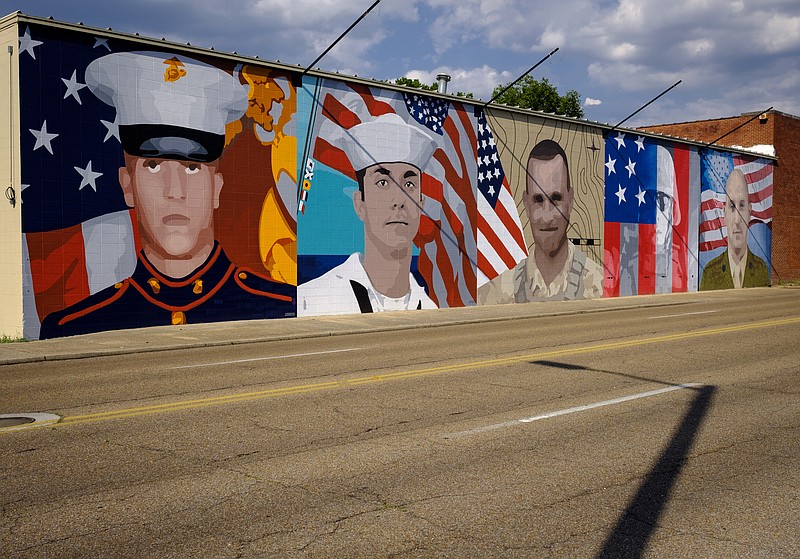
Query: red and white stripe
(67, 265)
(501, 244)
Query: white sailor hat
(168, 105)
(386, 139)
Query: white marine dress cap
(168, 106)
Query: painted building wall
(774, 129)
(389, 220)
(652, 194)
(172, 188)
(735, 245)
(158, 187)
(11, 254)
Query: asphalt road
(649, 432)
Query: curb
(66, 356)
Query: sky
(733, 56)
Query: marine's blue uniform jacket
(217, 291)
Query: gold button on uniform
(178, 317)
(198, 287)
(154, 285)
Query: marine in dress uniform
(216, 291)
(172, 113)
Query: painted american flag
(462, 237)
(631, 196)
(501, 244)
(78, 232)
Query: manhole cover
(13, 421)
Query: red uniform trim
(191, 305)
(100, 305)
(257, 292)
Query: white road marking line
(682, 314)
(267, 358)
(568, 411)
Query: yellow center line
(329, 385)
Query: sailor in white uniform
(389, 157)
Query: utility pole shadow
(628, 539)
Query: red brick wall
(783, 132)
(754, 133)
(786, 200)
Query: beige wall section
(516, 134)
(10, 217)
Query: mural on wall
(736, 233)
(652, 191)
(126, 166)
(264, 139)
(557, 183)
(404, 203)
(161, 188)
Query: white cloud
(631, 77)
(781, 34)
(327, 14)
(478, 81)
(650, 33)
(732, 55)
(623, 51)
(591, 102)
(697, 48)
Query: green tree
(540, 95)
(408, 82)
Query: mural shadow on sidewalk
(629, 537)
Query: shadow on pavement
(571, 367)
(628, 539)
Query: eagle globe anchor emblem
(175, 70)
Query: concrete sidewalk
(163, 338)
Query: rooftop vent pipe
(442, 79)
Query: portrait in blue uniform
(172, 113)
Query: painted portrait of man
(737, 266)
(389, 157)
(555, 270)
(172, 114)
(668, 217)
